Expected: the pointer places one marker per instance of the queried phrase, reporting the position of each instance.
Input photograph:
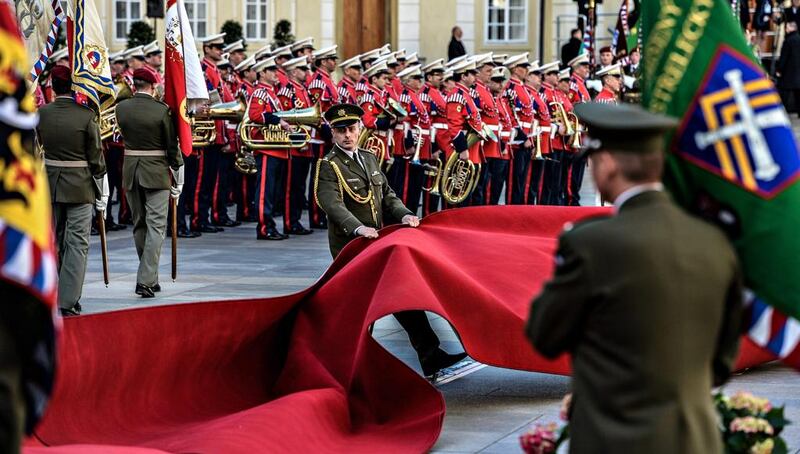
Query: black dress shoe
(184, 233)
(156, 288)
(144, 291)
(94, 231)
(272, 235)
(439, 360)
(227, 223)
(114, 227)
(299, 230)
(71, 312)
(320, 226)
(208, 229)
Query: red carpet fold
(300, 373)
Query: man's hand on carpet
(367, 232)
(410, 220)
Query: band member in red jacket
(373, 103)
(541, 139)
(295, 96)
(441, 147)
(322, 91)
(244, 185)
(611, 76)
(554, 193)
(463, 115)
(497, 160)
(417, 141)
(578, 93)
(271, 162)
(521, 109)
(351, 70)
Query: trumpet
(563, 118)
(418, 147)
(204, 131)
(433, 170)
(576, 137)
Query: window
(197, 10)
(506, 21)
(126, 12)
(255, 20)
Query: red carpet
(300, 373)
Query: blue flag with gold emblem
(91, 70)
(734, 159)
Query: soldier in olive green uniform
(356, 198)
(151, 155)
(76, 172)
(647, 301)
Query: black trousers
(534, 182)
(296, 177)
(188, 198)
(114, 165)
(245, 195)
(567, 159)
(419, 330)
(551, 187)
(430, 202)
(222, 188)
(522, 159)
(207, 169)
(316, 216)
(576, 180)
(415, 175)
(479, 194)
(267, 179)
(497, 175)
(396, 175)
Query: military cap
(483, 59)
(135, 52)
(117, 57)
(59, 54)
(610, 70)
(214, 40)
(388, 59)
(342, 115)
(455, 61)
(151, 49)
(328, 52)
(412, 59)
(410, 72)
(564, 74)
(224, 63)
(534, 67)
(436, 65)
(237, 45)
(370, 56)
(582, 59)
(298, 62)
(499, 59)
(551, 67)
(605, 49)
(145, 75)
(624, 127)
(60, 72)
(262, 53)
(516, 60)
(464, 66)
(351, 62)
(385, 49)
(399, 55)
(500, 73)
(246, 64)
(267, 63)
(448, 74)
(376, 69)
(285, 51)
(305, 43)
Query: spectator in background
(606, 56)
(573, 47)
(456, 47)
(788, 67)
(792, 13)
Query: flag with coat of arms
(91, 71)
(734, 159)
(38, 21)
(183, 75)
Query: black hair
(141, 84)
(61, 86)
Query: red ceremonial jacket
(437, 110)
(490, 115)
(262, 103)
(322, 90)
(463, 115)
(372, 101)
(543, 117)
(417, 116)
(214, 82)
(577, 90)
(347, 91)
(606, 96)
(550, 95)
(295, 96)
(506, 126)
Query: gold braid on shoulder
(344, 188)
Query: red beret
(145, 75)
(61, 72)
(605, 49)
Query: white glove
(628, 81)
(101, 203)
(177, 182)
(595, 85)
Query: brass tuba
(460, 177)
(107, 120)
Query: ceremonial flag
(626, 33)
(734, 158)
(183, 75)
(91, 71)
(38, 23)
(27, 258)
(588, 46)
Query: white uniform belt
(525, 124)
(399, 127)
(505, 133)
(145, 153)
(494, 127)
(424, 132)
(66, 164)
(440, 126)
(381, 133)
(544, 128)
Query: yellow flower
(763, 447)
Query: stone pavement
(486, 410)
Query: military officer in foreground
(76, 172)
(647, 301)
(151, 157)
(356, 197)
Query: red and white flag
(182, 73)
